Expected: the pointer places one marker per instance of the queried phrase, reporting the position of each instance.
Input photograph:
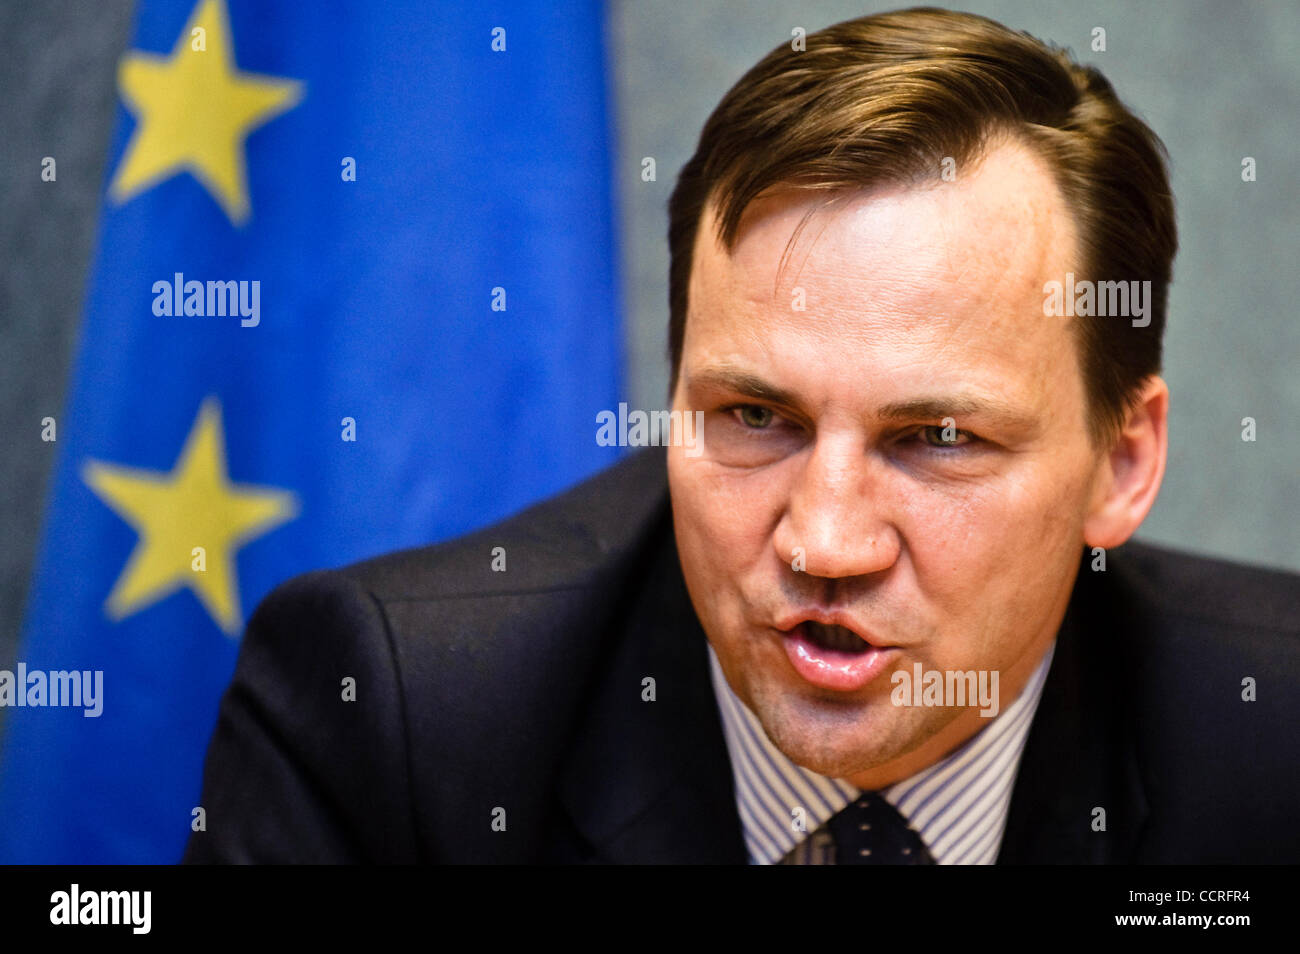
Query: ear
(1130, 475)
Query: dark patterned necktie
(870, 831)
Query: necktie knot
(870, 831)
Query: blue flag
(354, 291)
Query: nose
(837, 518)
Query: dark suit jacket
(522, 690)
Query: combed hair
(883, 99)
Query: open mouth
(833, 637)
(831, 656)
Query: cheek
(981, 529)
(990, 560)
(727, 507)
(724, 521)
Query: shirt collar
(958, 805)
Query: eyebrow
(959, 406)
(956, 407)
(741, 382)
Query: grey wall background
(1217, 81)
(58, 60)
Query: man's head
(897, 439)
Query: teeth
(835, 637)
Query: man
(882, 611)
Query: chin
(840, 737)
(825, 734)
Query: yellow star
(193, 506)
(194, 110)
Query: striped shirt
(958, 805)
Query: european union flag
(355, 290)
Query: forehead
(944, 268)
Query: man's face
(827, 485)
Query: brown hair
(885, 98)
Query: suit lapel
(650, 781)
(1079, 756)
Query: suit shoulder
(573, 540)
(1201, 657)
(1216, 592)
(1185, 633)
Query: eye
(754, 416)
(933, 436)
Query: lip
(831, 618)
(829, 668)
